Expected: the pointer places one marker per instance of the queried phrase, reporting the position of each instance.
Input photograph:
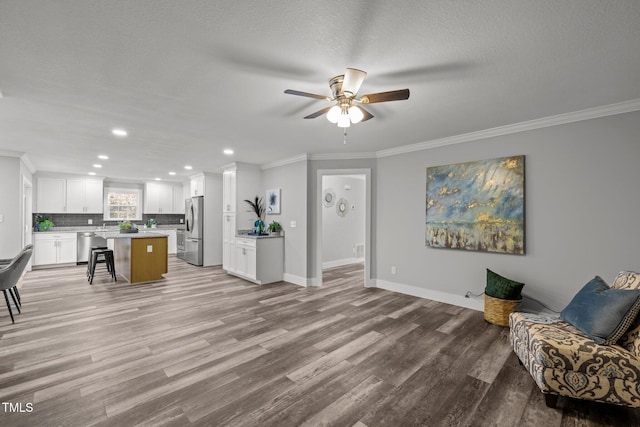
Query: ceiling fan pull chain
(345, 136)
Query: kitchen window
(122, 203)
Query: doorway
(343, 221)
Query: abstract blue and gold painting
(477, 206)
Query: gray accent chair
(10, 273)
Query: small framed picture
(273, 201)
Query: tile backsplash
(76, 220)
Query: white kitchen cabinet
(245, 258)
(54, 248)
(197, 185)
(228, 241)
(178, 200)
(94, 196)
(241, 182)
(259, 260)
(84, 196)
(69, 195)
(52, 195)
(163, 198)
(158, 197)
(229, 191)
(172, 241)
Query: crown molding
(22, 156)
(324, 156)
(9, 153)
(295, 159)
(560, 119)
(28, 164)
(344, 156)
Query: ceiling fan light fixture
(353, 79)
(355, 114)
(343, 121)
(333, 115)
(344, 89)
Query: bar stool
(90, 258)
(108, 259)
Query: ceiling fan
(344, 89)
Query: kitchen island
(139, 257)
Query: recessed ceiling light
(119, 132)
(97, 165)
(172, 173)
(188, 167)
(157, 179)
(103, 157)
(92, 173)
(228, 151)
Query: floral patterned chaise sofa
(564, 361)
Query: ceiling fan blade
(394, 95)
(352, 81)
(307, 94)
(367, 115)
(318, 113)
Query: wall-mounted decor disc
(328, 197)
(342, 207)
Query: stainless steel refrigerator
(193, 232)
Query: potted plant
(43, 223)
(275, 228)
(257, 207)
(127, 227)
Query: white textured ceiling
(189, 78)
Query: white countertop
(142, 234)
(94, 229)
(262, 236)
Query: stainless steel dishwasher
(87, 239)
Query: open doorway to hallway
(344, 223)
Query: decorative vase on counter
(259, 226)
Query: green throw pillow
(502, 288)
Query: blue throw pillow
(601, 312)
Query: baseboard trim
(341, 262)
(447, 298)
(296, 280)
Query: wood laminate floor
(205, 348)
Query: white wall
(248, 186)
(340, 235)
(10, 207)
(292, 180)
(582, 204)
